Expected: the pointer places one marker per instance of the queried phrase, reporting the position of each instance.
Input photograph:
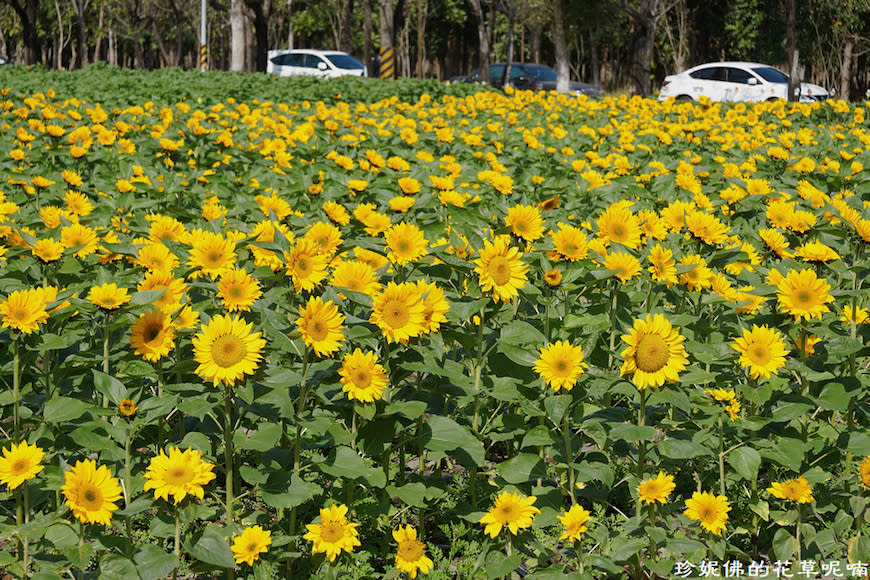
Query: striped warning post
(388, 64)
(203, 57)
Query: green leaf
(539, 435)
(629, 432)
(522, 468)
(109, 386)
(745, 461)
(520, 333)
(211, 547)
(345, 462)
(834, 398)
(784, 545)
(443, 434)
(788, 410)
(263, 439)
(682, 449)
(153, 563)
(80, 556)
(684, 546)
(788, 453)
(412, 494)
(114, 566)
(62, 409)
(556, 407)
(500, 566)
(284, 490)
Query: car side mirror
(753, 81)
(322, 66)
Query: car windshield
(344, 61)
(771, 75)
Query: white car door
(709, 82)
(746, 86)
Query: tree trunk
(81, 10)
(562, 70)
(367, 35)
(535, 43)
(346, 26)
(593, 56)
(482, 38)
(290, 24)
(421, 43)
(791, 51)
(237, 35)
(645, 19)
(27, 14)
(511, 14)
(262, 10)
(846, 68)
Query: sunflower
(706, 227)
(238, 290)
(762, 351)
(798, 490)
(402, 203)
(156, 256)
(334, 534)
(816, 252)
(409, 185)
(864, 470)
(356, 276)
(81, 238)
(362, 377)
(321, 325)
(47, 249)
(855, 315)
(560, 364)
(179, 474)
(306, 265)
(252, 542)
(336, 213)
(511, 510)
(656, 489)
(618, 224)
(625, 265)
(152, 336)
(662, 265)
(655, 352)
(127, 407)
(803, 295)
(406, 243)
(20, 463)
(212, 253)
(525, 222)
(553, 278)
(699, 276)
(435, 306)
(24, 310)
(576, 522)
(411, 553)
(711, 510)
(173, 289)
(91, 492)
(501, 269)
(674, 215)
(108, 296)
(570, 242)
(227, 350)
(399, 312)
(325, 236)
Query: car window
(289, 59)
(496, 71)
(312, 60)
(771, 75)
(738, 75)
(542, 73)
(344, 61)
(713, 73)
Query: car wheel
(683, 98)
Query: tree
(238, 39)
(484, 12)
(645, 18)
(791, 52)
(386, 35)
(27, 11)
(562, 69)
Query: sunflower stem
(127, 478)
(106, 353)
(797, 532)
(228, 453)
(16, 389)
(297, 443)
(569, 454)
(177, 533)
(721, 457)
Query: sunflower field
(440, 332)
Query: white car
(727, 81)
(322, 63)
(811, 92)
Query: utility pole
(203, 38)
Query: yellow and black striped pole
(203, 58)
(203, 37)
(387, 63)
